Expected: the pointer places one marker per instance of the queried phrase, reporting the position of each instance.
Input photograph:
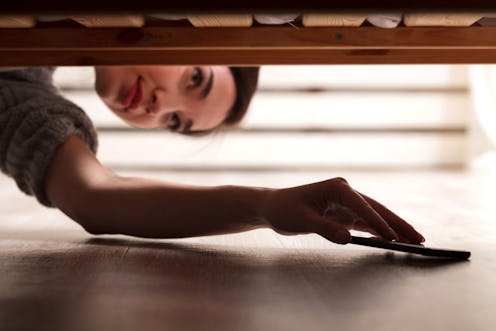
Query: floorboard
(54, 276)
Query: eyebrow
(208, 87)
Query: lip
(134, 95)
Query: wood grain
(246, 46)
(333, 20)
(17, 22)
(53, 276)
(440, 19)
(282, 37)
(244, 57)
(110, 21)
(219, 20)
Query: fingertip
(417, 240)
(393, 236)
(342, 237)
(418, 237)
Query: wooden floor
(54, 276)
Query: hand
(331, 208)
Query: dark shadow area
(128, 284)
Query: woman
(48, 145)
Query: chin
(105, 88)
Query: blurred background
(306, 118)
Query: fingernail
(342, 237)
(394, 237)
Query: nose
(163, 102)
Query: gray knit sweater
(34, 121)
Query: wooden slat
(281, 38)
(110, 21)
(248, 46)
(17, 22)
(203, 21)
(319, 19)
(245, 57)
(440, 19)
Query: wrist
(251, 201)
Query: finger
(357, 203)
(345, 221)
(364, 227)
(402, 227)
(360, 225)
(327, 229)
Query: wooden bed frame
(246, 46)
(257, 45)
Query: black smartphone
(410, 248)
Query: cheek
(165, 77)
(103, 82)
(108, 80)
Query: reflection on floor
(54, 276)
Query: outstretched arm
(103, 202)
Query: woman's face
(181, 98)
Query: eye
(196, 78)
(174, 123)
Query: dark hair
(246, 81)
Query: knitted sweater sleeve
(34, 121)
